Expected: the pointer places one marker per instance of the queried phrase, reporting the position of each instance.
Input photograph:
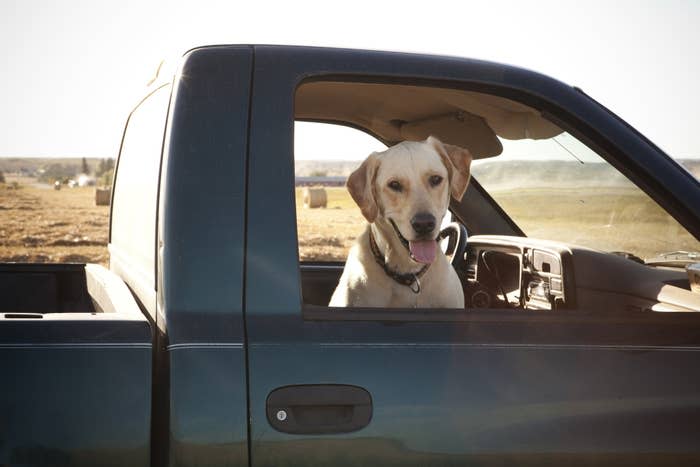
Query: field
(607, 218)
(39, 224)
(327, 234)
(610, 219)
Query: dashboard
(532, 274)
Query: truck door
(438, 387)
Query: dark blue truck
(209, 342)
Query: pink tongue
(423, 251)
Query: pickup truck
(209, 341)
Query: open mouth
(420, 251)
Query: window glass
(554, 189)
(136, 191)
(559, 189)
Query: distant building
(320, 181)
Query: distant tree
(2, 177)
(106, 178)
(85, 169)
(318, 173)
(105, 172)
(104, 165)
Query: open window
(328, 220)
(552, 224)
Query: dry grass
(39, 224)
(604, 218)
(327, 234)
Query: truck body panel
(76, 359)
(202, 379)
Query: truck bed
(29, 290)
(76, 360)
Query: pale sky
(72, 70)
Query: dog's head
(408, 187)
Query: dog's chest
(402, 296)
(402, 301)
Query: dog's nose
(423, 223)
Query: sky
(72, 70)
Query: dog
(404, 193)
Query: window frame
(459, 210)
(143, 280)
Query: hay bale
(102, 196)
(315, 198)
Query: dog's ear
(360, 185)
(458, 161)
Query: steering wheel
(456, 234)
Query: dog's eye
(396, 186)
(435, 180)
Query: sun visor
(507, 118)
(398, 112)
(458, 128)
(522, 125)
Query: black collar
(408, 279)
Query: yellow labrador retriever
(403, 193)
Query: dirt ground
(327, 234)
(40, 224)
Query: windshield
(559, 189)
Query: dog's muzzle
(420, 251)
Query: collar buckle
(416, 281)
